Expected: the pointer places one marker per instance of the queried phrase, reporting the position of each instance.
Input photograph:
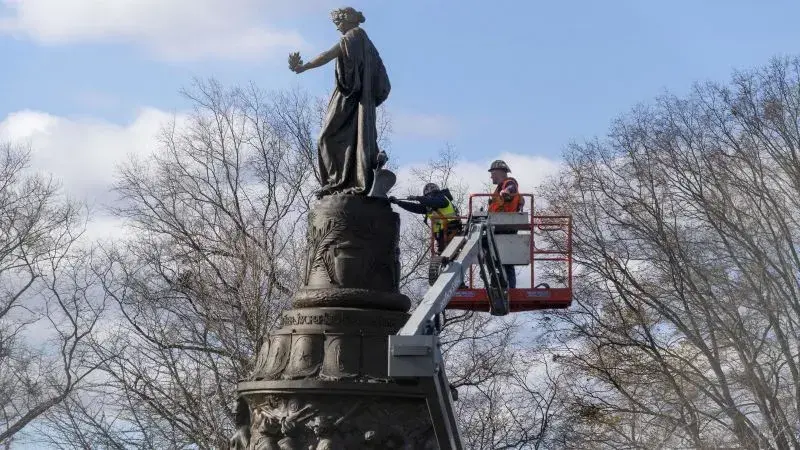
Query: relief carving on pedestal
(277, 351)
(349, 239)
(320, 238)
(283, 423)
(305, 358)
(342, 357)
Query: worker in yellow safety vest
(437, 206)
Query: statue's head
(322, 426)
(271, 426)
(347, 18)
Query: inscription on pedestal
(340, 318)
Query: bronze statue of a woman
(349, 157)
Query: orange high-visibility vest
(499, 204)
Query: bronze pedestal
(320, 381)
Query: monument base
(321, 380)
(321, 383)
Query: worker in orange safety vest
(506, 198)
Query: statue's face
(344, 25)
(271, 426)
(322, 426)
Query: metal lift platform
(491, 241)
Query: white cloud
(107, 228)
(529, 170)
(83, 153)
(424, 125)
(179, 30)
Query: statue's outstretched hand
(296, 62)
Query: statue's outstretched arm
(323, 58)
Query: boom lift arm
(415, 351)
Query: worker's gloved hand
(506, 196)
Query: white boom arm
(415, 353)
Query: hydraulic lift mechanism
(415, 351)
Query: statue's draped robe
(348, 146)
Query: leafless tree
(686, 220)
(48, 304)
(217, 217)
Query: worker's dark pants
(440, 243)
(511, 276)
(441, 239)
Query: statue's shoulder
(355, 38)
(356, 33)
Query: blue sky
(488, 77)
